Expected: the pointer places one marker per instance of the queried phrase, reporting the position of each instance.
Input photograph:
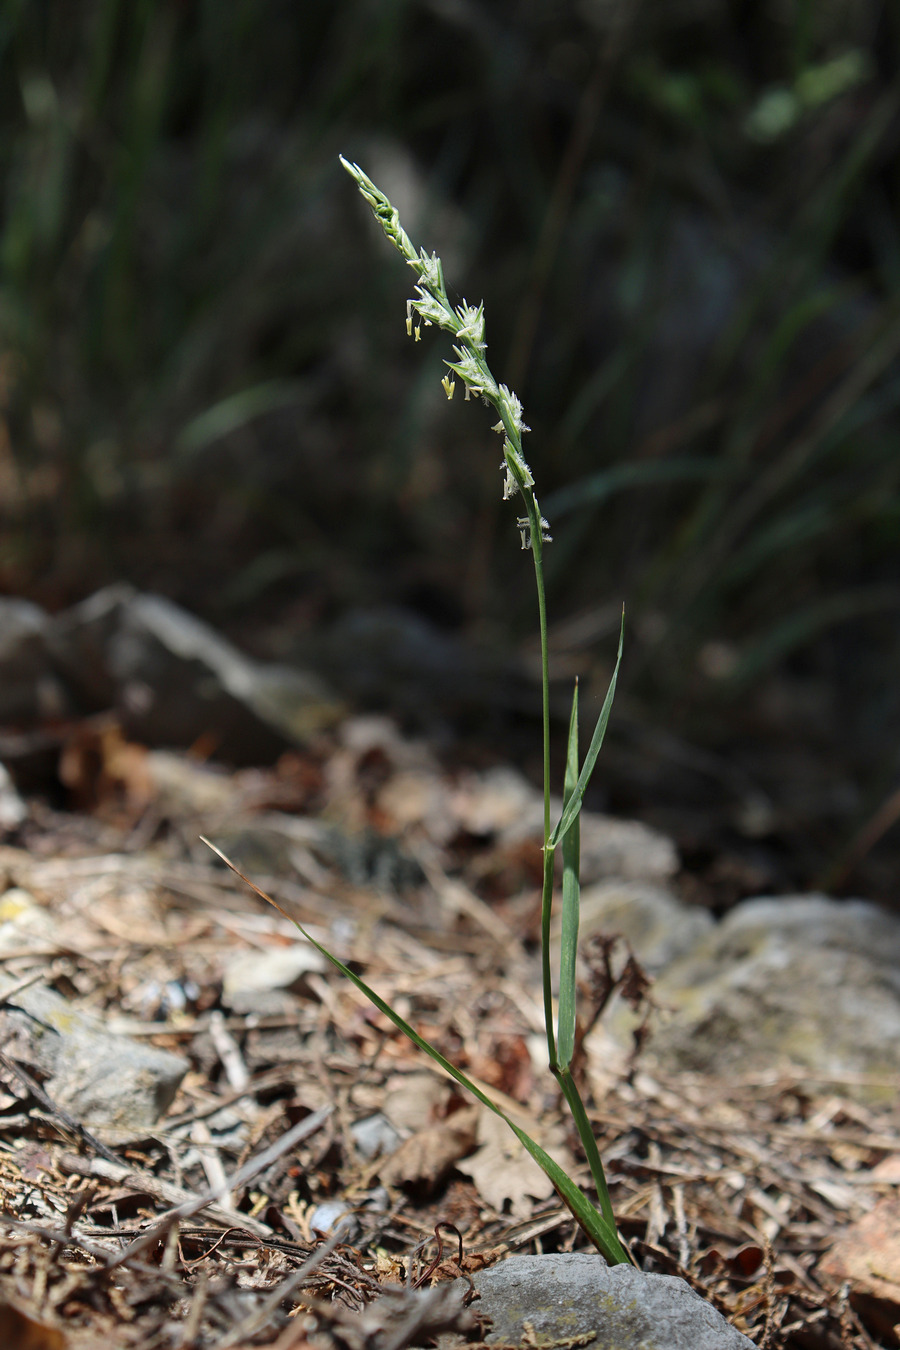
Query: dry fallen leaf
(20, 1332)
(103, 771)
(471, 1263)
(425, 1158)
(505, 1065)
(888, 1169)
(502, 1170)
(414, 1101)
(868, 1256)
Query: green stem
(466, 323)
(562, 1074)
(537, 549)
(589, 1143)
(546, 908)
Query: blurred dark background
(684, 219)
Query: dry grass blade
(599, 1226)
(260, 1316)
(301, 1130)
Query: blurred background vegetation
(684, 219)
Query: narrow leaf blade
(601, 1232)
(589, 1143)
(571, 899)
(597, 1226)
(572, 808)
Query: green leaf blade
(571, 900)
(598, 1227)
(574, 804)
(588, 1142)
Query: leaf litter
(258, 1209)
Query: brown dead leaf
(103, 771)
(498, 800)
(414, 1101)
(868, 1256)
(471, 1263)
(428, 1155)
(20, 1332)
(888, 1169)
(502, 1170)
(418, 797)
(389, 1269)
(507, 1065)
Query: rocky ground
(209, 1139)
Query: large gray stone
(801, 981)
(12, 808)
(101, 1079)
(265, 981)
(577, 1293)
(503, 802)
(657, 926)
(628, 849)
(28, 686)
(171, 678)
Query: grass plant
(432, 306)
(692, 231)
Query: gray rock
(658, 927)
(367, 858)
(577, 1293)
(101, 1079)
(801, 981)
(12, 808)
(502, 801)
(374, 1135)
(391, 653)
(78, 639)
(258, 981)
(172, 678)
(254, 846)
(334, 1216)
(624, 848)
(28, 687)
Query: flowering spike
(466, 323)
(429, 269)
(431, 305)
(523, 525)
(432, 309)
(388, 216)
(513, 408)
(518, 474)
(471, 325)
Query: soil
(212, 1228)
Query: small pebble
(374, 1135)
(334, 1216)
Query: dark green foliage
(684, 220)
